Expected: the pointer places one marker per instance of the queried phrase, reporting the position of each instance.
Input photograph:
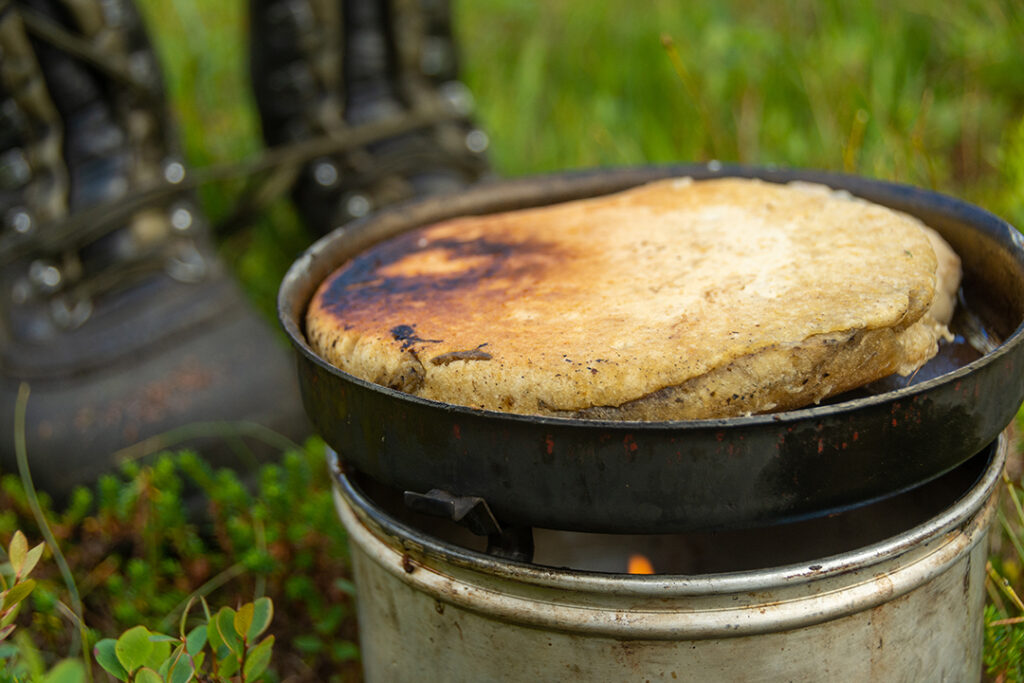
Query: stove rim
(919, 539)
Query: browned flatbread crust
(675, 300)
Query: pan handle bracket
(473, 513)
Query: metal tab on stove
(471, 512)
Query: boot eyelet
(357, 205)
(457, 96)
(325, 173)
(174, 171)
(181, 218)
(45, 276)
(20, 220)
(477, 141)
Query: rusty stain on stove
(629, 443)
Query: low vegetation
(151, 543)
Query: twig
(1004, 585)
(21, 453)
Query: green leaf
(225, 622)
(243, 619)
(106, 656)
(10, 616)
(259, 659)
(196, 640)
(161, 650)
(181, 670)
(31, 560)
(6, 631)
(16, 551)
(18, 593)
(184, 615)
(66, 671)
(166, 666)
(133, 648)
(206, 608)
(147, 675)
(263, 613)
(345, 651)
(228, 666)
(29, 654)
(213, 636)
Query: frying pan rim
(937, 201)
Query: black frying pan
(635, 477)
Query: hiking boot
(113, 305)
(384, 73)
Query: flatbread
(676, 300)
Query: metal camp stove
(892, 591)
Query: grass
(895, 90)
(911, 90)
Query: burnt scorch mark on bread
(408, 376)
(407, 335)
(373, 282)
(452, 356)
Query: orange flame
(639, 564)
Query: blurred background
(926, 93)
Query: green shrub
(152, 537)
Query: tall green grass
(916, 91)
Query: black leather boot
(113, 305)
(335, 70)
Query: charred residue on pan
(470, 354)
(406, 334)
(364, 289)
